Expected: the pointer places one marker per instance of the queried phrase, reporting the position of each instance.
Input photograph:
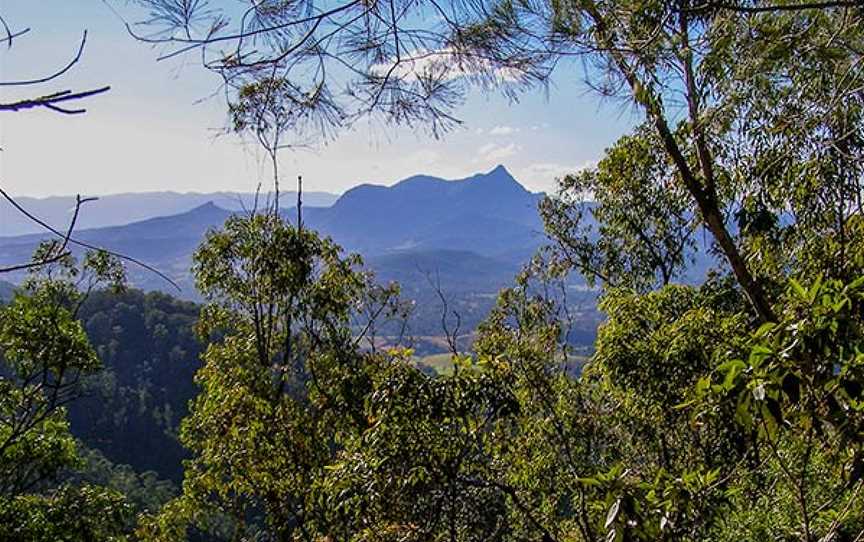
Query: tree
(283, 382)
(44, 354)
(625, 222)
(786, 181)
(340, 62)
(796, 385)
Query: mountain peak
(499, 174)
(499, 178)
(500, 170)
(208, 207)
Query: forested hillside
(131, 409)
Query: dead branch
(71, 240)
(49, 101)
(60, 251)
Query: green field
(440, 363)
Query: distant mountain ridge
(125, 208)
(7, 290)
(469, 236)
(487, 215)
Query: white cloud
(544, 176)
(424, 157)
(485, 149)
(503, 131)
(445, 64)
(495, 153)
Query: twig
(83, 244)
(49, 101)
(54, 75)
(61, 250)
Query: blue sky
(158, 130)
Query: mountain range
(118, 209)
(489, 214)
(468, 237)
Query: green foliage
(626, 222)
(725, 410)
(283, 381)
(798, 388)
(421, 471)
(271, 107)
(45, 354)
(804, 371)
(67, 514)
(144, 493)
(767, 153)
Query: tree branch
(49, 101)
(729, 6)
(83, 244)
(54, 75)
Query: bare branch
(71, 240)
(54, 75)
(49, 101)
(60, 251)
(771, 8)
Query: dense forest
(731, 409)
(131, 409)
